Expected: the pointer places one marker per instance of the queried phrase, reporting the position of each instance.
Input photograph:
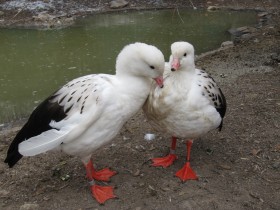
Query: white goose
(89, 111)
(189, 105)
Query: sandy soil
(238, 168)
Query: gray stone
(263, 14)
(242, 30)
(227, 44)
(118, 4)
(213, 8)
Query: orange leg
(100, 193)
(169, 159)
(186, 173)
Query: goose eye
(152, 67)
(185, 54)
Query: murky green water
(34, 63)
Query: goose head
(182, 56)
(141, 60)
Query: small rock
(152, 148)
(152, 191)
(277, 148)
(4, 193)
(65, 177)
(256, 151)
(1, 13)
(136, 173)
(223, 166)
(181, 193)
(242, 31)
(223, 75)
(262, 14)
(165, 189)
(275, 57)
(118, 4)
(29, 206)
(125, 138)
(149, 136)
(213, 8)
(227, 44)
(276, 165)
(141, 184)
(46, 198)
(140, 148)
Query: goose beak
(159, 81)
(175, 64)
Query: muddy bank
(49, 14)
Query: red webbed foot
(102, 193)
(186, 173)
(164, 161)
(103, 175)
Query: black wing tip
(220, 126)
(12, 159)
(223, 107)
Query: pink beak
(175, 64)
(159, 81)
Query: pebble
(140, 148)
(125, 138)
(276, 165)
(227, 44)
(213, 8)
(223, 166)
(1, 13)
(136, 173)
(118, 4)
(141, 184)
(152, 191)
(4, 193)
(149, 136)
(29, 206)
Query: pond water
(34, 63)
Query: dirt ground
(238, 168)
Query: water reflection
(35, 63)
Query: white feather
(42, 143)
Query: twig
(17, 13)
(179, 15)
(192, 4)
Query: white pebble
(149, 136)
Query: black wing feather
(211, 90)
(222, 108)
(37, 123)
